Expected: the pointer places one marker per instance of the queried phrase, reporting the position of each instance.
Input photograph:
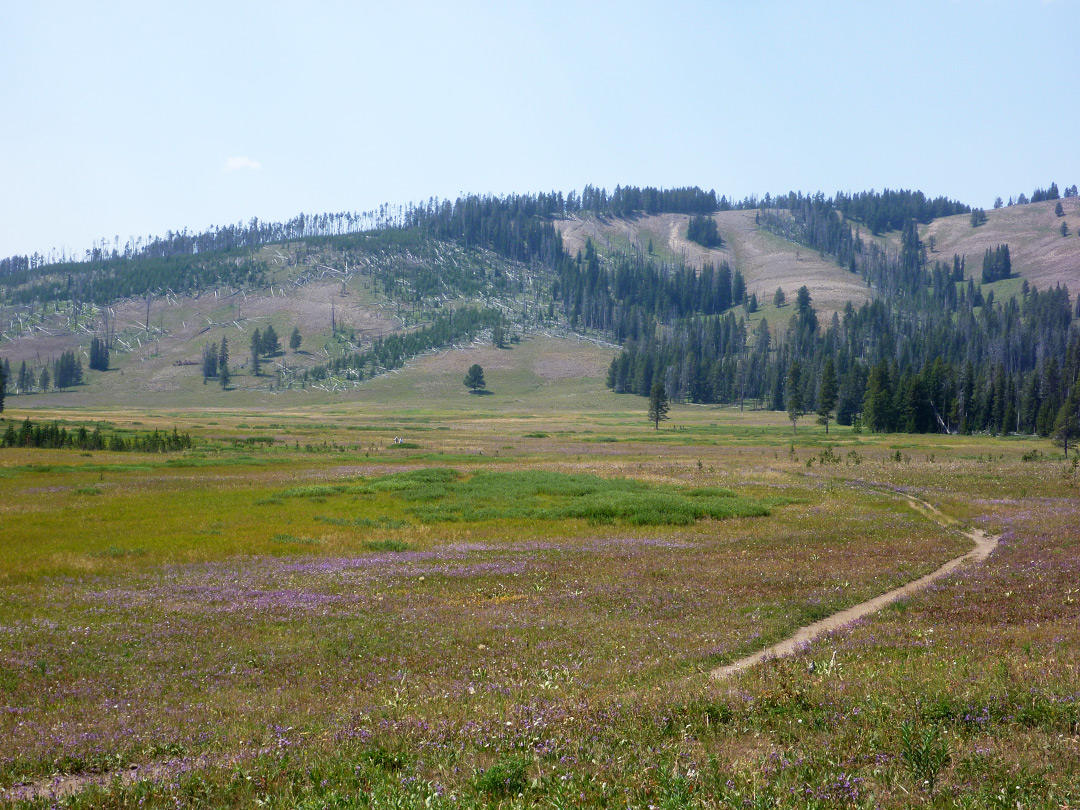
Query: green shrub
(386, 545)
(505, 778)
(924, 754)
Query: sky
(125, 119)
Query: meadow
(520, 607)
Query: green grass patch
(288, 539)
(443, 495)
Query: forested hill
(931, 341)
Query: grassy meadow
(518, 605)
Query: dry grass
(766, 261)
(1038, 251)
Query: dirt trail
(984, 544)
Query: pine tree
(794, 394)
(209, 361)
(1067, 423)
(878, 403)
(738, 289)
(270, 343)
(4, 371)
(256, 347)
(99, 355)
(43, 379)
(474, 377)
(223, 364)
(658, 403)
(827, 393)
(294, 339)
(779, 298)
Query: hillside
(1039, 252)
(766, 261)
(483, 276)
(340, 294)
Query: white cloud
(237, 164)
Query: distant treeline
(55, 437)
(1041, 195)
(518, 227)
(474, 218)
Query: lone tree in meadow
(474, 377)
(828, 392)
(658, 403)
(294, 339)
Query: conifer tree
(270, 343)
(223, 363)
(878, 404)
(794, 394)
(99, 355)
(1067, 423)
(256, 347)
(738, 289)
(295, 339)
(474, 377)
(658, 403)
(827, 393)
(209, 362)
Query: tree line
(55, 437)
(179, 259)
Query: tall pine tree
(223, 364)
(827, 393)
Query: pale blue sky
(130, 118)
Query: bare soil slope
(766, 261)
(769, 261)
